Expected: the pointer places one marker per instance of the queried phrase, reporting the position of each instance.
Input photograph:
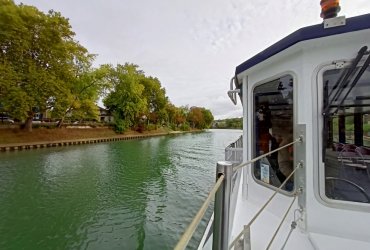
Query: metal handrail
(299, 165)
(182, 243)
(198, 217)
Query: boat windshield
(346, 140)
(273, 127)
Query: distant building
(42, 116)
(105, 115)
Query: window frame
(319, 170)
(253, 107)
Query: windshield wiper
(340, 85)
(358, 76)
(343, 80)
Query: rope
(198, 217)
(265, 205)
(236, 168)
(292, 227)
(281, 222)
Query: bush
(173, 127)
(120, 126)
(139, 128)
(151, 127)
(44, 125)
(185, 127)
(37, 125)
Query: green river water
(137, 194)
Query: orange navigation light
(329, 8)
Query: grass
(15, 135)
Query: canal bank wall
(63, 143)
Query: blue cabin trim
(311, 32)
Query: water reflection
(122, 195)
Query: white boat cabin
(313, 84)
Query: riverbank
(16, 139)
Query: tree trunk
(60, 122)
(28, 124)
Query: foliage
(126, 96)
(171, 112)
(151, 127)
(39, 60)
(184, 127)
(156, 100)
(180, 115)
(173, 126)
(366, 128)
(200, 118)
(208, 117)
(79, 102)
(232, 123)
(43, 68)
(120, 125)
(136, 99)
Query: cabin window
(273, 127)
(346, 135)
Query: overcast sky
(192, 46)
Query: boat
(299, 177)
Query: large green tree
(39, 60)
(208, 117)
(80, 101)
(126, 99)
(171, 112)
(156, 98)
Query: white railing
(246, 229)
(222, 191)
(234, 152)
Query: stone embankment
(48, 144)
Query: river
(137, 194)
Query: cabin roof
(311, 32)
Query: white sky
(192, 46)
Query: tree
(156, 99)
(126, 99)
(39, 60)
(171, 112)
(200, 117)
(181, 114)
(195, 117)
(208, 117)
(80, 101)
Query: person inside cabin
(263, 126)
(265, 141)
